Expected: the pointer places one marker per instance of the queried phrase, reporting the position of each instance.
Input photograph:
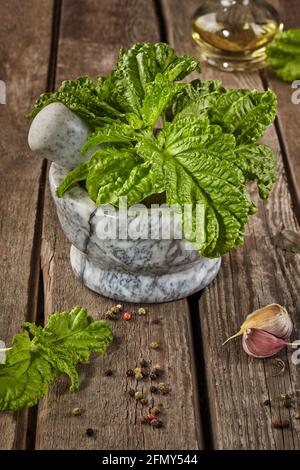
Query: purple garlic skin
(58, 134)
(261, 344)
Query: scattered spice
(132, 392)
(145, 372)
(113, 312)
(151, 417)
(156, 423)
(153, 375)
(138, 373)
(280, 423)
(108, 373)
(130, 373)
(154, 345)
(119, 307)
(138, 395)
(90, 432)
(144, 363)
(155, 410)
(157, 367)
(163, 388)
(296, 414)
(141, 311)
(143, 402)
(77, 412)
(144, 420)
(153, 389)
(127, 316)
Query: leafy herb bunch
(206, 151)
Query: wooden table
(218, 393)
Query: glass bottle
(233, 34)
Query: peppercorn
(119, 307)
(157, 367)
(153, 375)
(108, 373)
(163, 388)
(151, 417)
(77, 411)
(296, 414)
(138, 373)
(144, 420)
(131, 392)
(144, 363)
(280, 424)
(126, 316)
(145, 372)
(130, 373)
(109, 314)
(143, 402)
(141, 311)
(138, 395)
(90, 432)
(155, 410)
(156, 423)
(154, 345)
(153, 389)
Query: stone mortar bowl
(133, 269)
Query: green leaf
(25, 377)
(78, 174)
(283, 55)
(32, 365)
(244, 113)
(82, 96)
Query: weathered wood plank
(90, 46)
(25, 37)
(288, 113)
(252, 276)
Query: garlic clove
(272, 318)
(260, 343)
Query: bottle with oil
(233, 34)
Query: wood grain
(250, 277)
(91, 34)
(288, 112)
(25, 33)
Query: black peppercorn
(131, 392)
(153, 375)
(108, 373)
(130, 373)
(144, 363)
(156, 423)
(153, 389)
(145, 372)
(90, 432)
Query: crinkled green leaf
(283, 55)
(79, 173)
(32, 365)
(244, 113)
(83, 96)
(25, 377)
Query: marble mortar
(132, 269)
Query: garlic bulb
(273, 319)
(260, 343)
(266, 331)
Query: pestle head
(58, 134)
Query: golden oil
(233, 34)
